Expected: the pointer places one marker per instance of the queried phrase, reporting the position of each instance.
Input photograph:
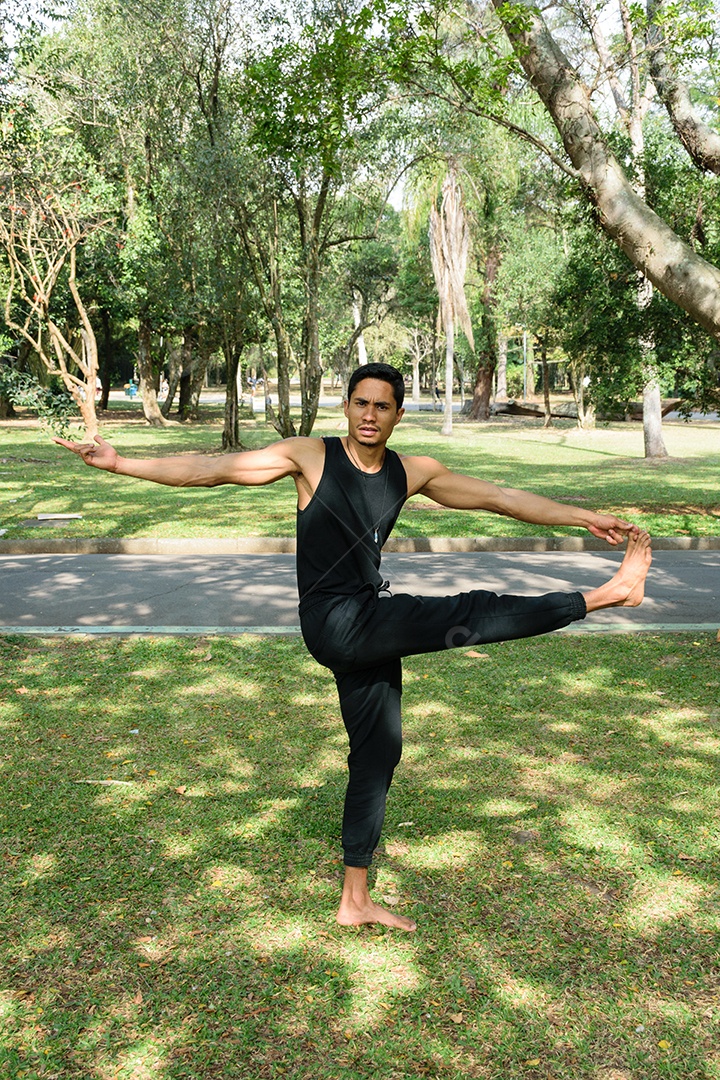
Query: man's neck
(367, 458)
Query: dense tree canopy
(221, 177)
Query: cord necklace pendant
(355, 460)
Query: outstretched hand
(611, 528)
(99, 453)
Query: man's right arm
(249, 467)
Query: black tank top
(342, 529)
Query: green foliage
(308, 97)
(53, 404)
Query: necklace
(365, 475)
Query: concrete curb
(285, 545)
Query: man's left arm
(467, 493)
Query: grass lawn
(603, 468)
(553, 828)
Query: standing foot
(358, 909)
(627, 587)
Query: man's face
(372, 413)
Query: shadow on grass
(553, 828)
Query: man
(350, 492)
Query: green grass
(603, 469)
(553, 827)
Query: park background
(520, 210)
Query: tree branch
(699, 140)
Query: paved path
(187, 594)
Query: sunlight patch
(42, 866)
(228, 878)
(256, 825)
(143, 1061)
(662, 900)
(707, 745)
(520, 994)
(177, 846)
(430, 710)
(380, 974)
(226, 687)
(668, 724)
(450, 850)
(326, 765)
(228, 760)
(505, 807)
(590, 831)
(280, 936)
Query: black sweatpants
(363, 638)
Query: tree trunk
(416, 379)
(264, 259)
(105, 363)
(447, 425)
(151, 409)
(652, 419)
(546, 383)
(530, 366)
(174, 371)
(358, 321)
(310, 367)
(482, 392)
(198, 374)
(309, 220)
(586, 412)
(187, 362)
(231, 425)
(501, 389)
(677, 271)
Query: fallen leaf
(391, 900)
(478, 655)
(138, 999)
(664, 1044)
(180, 790)
(533, 1061)
(457, 1018)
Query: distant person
(350, 492)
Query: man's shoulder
(304, 451)
(420, 470)
(422, 463)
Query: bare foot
(349, 914)
(357, 908)
(627, 587)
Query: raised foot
(370, 913)
(627, 587)
(634, 569)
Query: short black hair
(386, 373)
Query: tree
(360, 294)
(449, 244)
(652, 246)
(47, 214)
(323, 152)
